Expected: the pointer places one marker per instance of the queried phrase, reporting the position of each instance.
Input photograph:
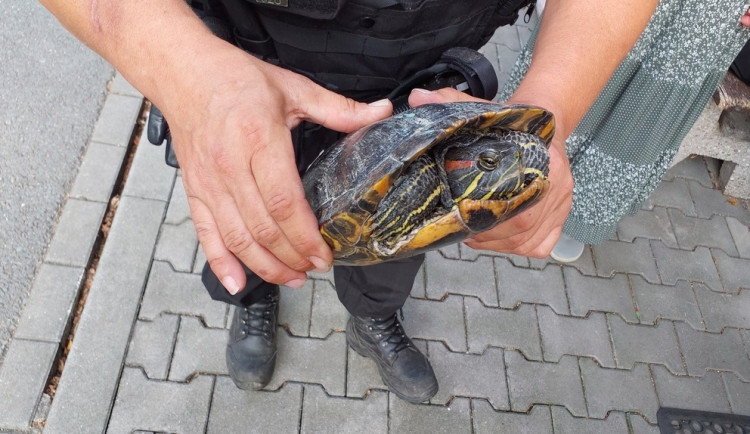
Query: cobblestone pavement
(656, 316)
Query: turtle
(428, 177)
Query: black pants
(373, 290)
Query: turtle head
(488, 168)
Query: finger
(239, 240)
(745, 20)
(316, 104)
(273, 205)
(423, 96)
(222, 262)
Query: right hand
(230, 127)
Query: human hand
(232, 138)
(745, 19)
(535, 231)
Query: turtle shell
(345, 184)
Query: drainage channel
(83, 291)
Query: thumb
(336, 112)
(447, 94)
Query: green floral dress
(625, 143)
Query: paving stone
(741, 235)
(693, 168)
(160, 406)
(361, 375)
(460, 277)
(705, 393)
(328, 314)
(98, 172)
(178, 210)
(469, 375)
(563, 335)
(49, 307)
(588, 294)
(419, 290)
(295, 308)
(666, 302)
(199, 261)
(672, 194)
(564, 423)
(321, 361)
(738, 392)
(620, 257)
(647, 344)
(709, 201)
(469, 254)
(151, 346)
(105, 326)
(76, 233)
(695, 266)
(322, 413)
(411, 418)
(723, 310)
(692, 232)
(618, 389)
(584, 264)
(734, 272)
(517, 285)
(198, 350)
(510, 329)
(177, 245)
(23, 375)
(639, 425)
(721, 351)
(149, 177)
(437, 321)
(236, 410)
(488, 420)
(450, 252)
(532, 383)
(117, 120)
(120, 86)
(653, 224)
(180, 293)
(328, 275)
(507, 36)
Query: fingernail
(321, 266)
(296, 283)
(380, 103)
(423, 91)
(469, 240)
(230, 284)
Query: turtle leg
(412, 199)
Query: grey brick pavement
(656, 316)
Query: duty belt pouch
(315, 9)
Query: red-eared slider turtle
(428, 177)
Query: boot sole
(364, 352)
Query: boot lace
(390, 333)
(257, 319)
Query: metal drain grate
(680, 421)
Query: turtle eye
(487, 162)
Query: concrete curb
(49, 310)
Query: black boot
(251, 351)
(403, 368)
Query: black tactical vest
(364, 48)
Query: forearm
(579, 45)
(151, 43)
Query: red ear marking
(451, 165)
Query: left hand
(745, 20)
(535, 231)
